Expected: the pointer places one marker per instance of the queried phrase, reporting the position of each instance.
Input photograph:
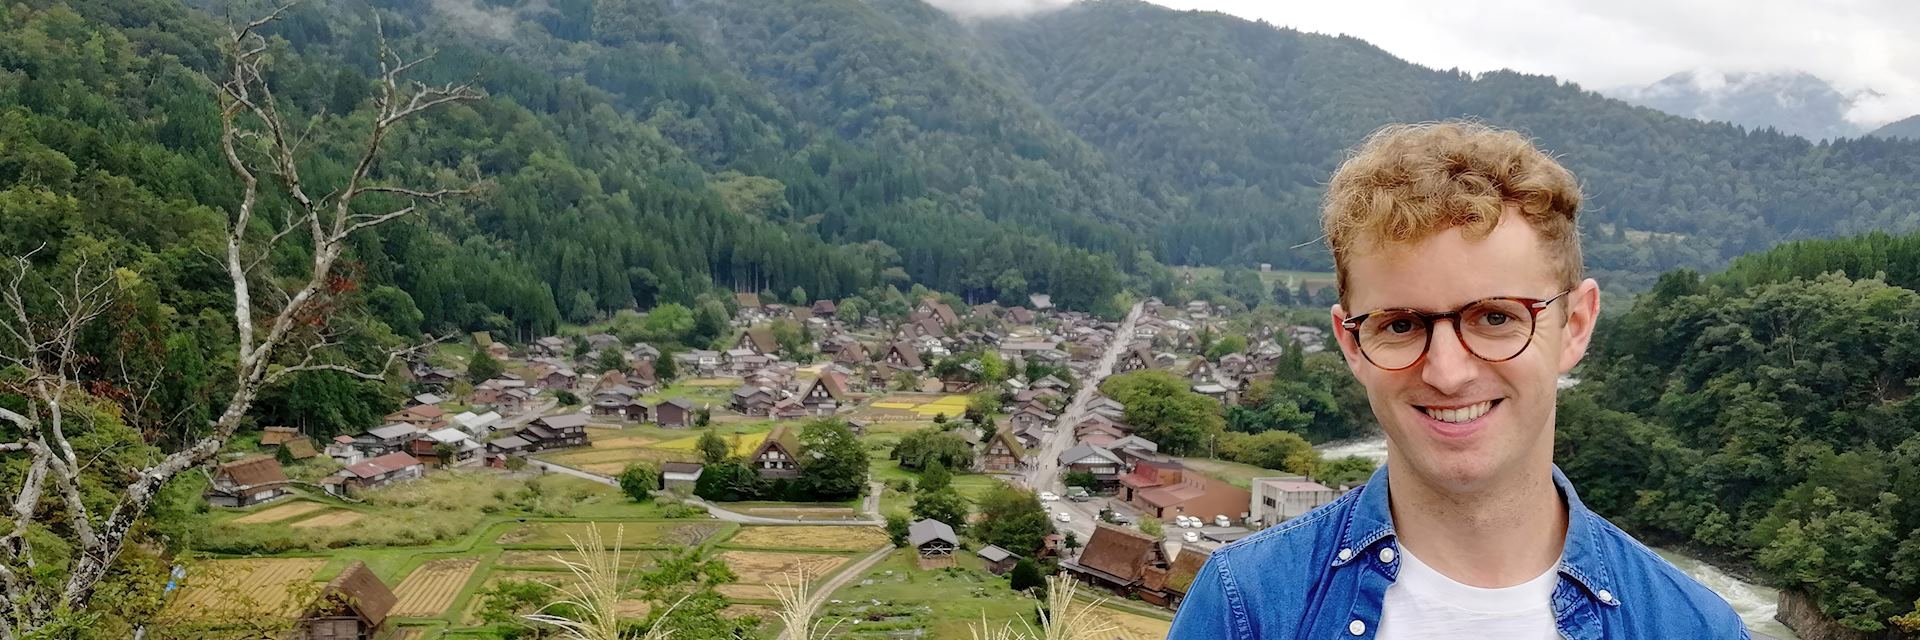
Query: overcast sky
(1602, 44)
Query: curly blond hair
(1407, 182)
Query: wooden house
(753, 401)
(247, 482)
(353, 606)
(827, 394)
(999, 561)
(759, 341)
(556, 431)
(560, 379)
(1004, 452)
(1120, 560)
(902, 355)
(1135, 359)
(778, 456)
(674, 413)
(426, 416)
(378, 472)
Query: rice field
(743, 444)
(430, 589)
(760, 571)
(808, 537)
(216, 589)
(626, 535)
(629, 559)
(282, 512)
(1133, 626)
(951, 405)
(334, 518)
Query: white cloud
(1856, 45)
(997, 8)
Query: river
(1756, 604)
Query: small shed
(934, 541)
(247, 482)
(680, 477)
(999, 561)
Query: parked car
(1064, 517)
(1222, 521)
(1048, 496)
(1190, 536)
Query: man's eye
(1495, 319)
(1402, 325)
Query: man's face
(1442, 273)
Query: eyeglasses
(1492, 329)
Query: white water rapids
(1756, 604)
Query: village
(484, 480)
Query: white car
(1222, 521)
(1064, 517)
(1190, 522)
(1048, 496)
(1190, 536)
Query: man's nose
(1449, 367)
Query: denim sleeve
(1212, 609)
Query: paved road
(554, 468)
(1044, 474)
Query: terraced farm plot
(282, 512)
(803, 513)
(804, 537)
(334, 518)
(217, 589)
(743, 446)
(629, 534)
(760, 571)
(629, 559)
(1133, 626)
(430, 589)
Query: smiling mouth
(1461, 414)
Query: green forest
(1767, 413)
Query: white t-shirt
(1424, 604)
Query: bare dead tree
(258, 146)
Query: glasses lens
(1393, 339)
(1496, 329)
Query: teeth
(1462, 414)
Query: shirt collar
(1371, 520)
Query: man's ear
(1583, 311)
(1348, 347)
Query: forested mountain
(1243, 120)
(1769, 414)
(1908, 128)
(1796, 103)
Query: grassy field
(970, 485)
(1233, 473)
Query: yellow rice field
(807, 537)
(744, 444)
(335, 518)
(220, 589)
(430, 589)
(282, 512)
(1132, 626)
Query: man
(1461, 303)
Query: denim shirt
(1324, 575)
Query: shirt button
(1357, 628)
(1346, 554)
(1386, 555)
(1605, 596)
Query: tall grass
(798, 609)
(1065, 618)
(593, 600)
